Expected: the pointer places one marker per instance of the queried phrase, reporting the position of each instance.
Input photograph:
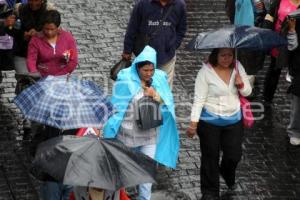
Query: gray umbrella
(295, 14)
(94, 162)
(240, 37)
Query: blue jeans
(145, 188)
(294, 125)
(55, 191)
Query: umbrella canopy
(65, 103)
(94, 162)
(295, 14)
(240, 37)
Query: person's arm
(230, 10)
(2, 29)
(11, 30)
(292, 37)
(242, 81)
(200, 96)
(32, 55)
(181, 27)
(270, 16)
(73, 60)
(132, 29)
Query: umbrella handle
(68, 76)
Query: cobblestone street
(270, 167)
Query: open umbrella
(240, 37)
(65, 103)
(94, 162)
(295, 14)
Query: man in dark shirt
(145, 19)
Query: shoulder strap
(236, 63)
(161, 22)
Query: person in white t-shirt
(216, 118)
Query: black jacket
(29, 20)
(145, 19)
(44, 133)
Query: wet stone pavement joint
(270, 167)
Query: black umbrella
(94, 162)
(240, 37)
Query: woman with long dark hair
(160, 142)
(216, 118)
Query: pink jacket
(48, 60)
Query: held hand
(259, 6)
(27, 35)
(149, 91)
(238, 80)
(191, 132)
(292, 24)
(32, 32)
(192, 129)
(126, 56)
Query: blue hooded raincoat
(128, 84)
(244, 13)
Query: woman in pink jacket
(53, 51)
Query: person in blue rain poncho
(160, 143)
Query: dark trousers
(6, 59)
(271, 80)
(212, 140)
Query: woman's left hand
(32, 32)
(149, 91)
(238, 80)
(292, 24)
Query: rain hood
(128, 84)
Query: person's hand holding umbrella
(238, 81)
(238, 37)
(291, 24)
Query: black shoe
(210, 197)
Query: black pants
(212, 140)
(271, 80)
(6, 59)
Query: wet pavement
(270, 167)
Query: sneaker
(295, 141)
